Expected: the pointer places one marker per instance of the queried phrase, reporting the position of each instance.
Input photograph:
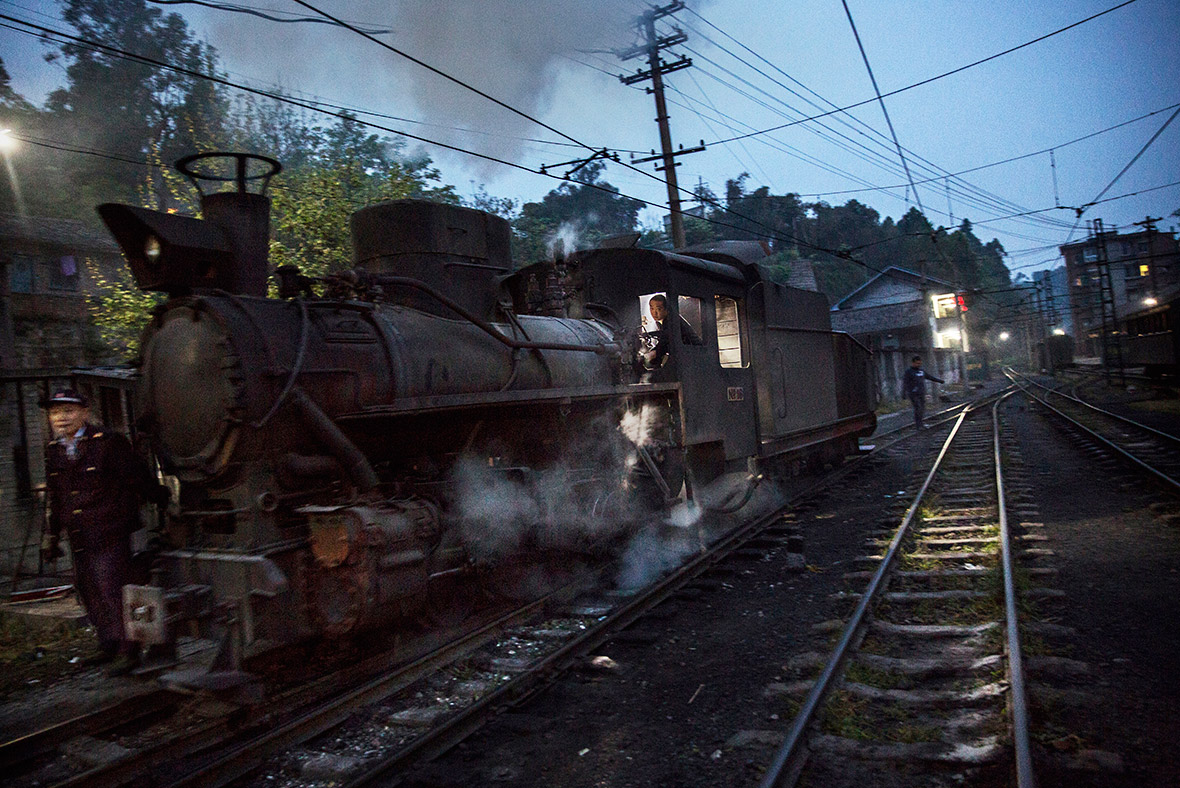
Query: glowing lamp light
(1059, 332)
(7, 141)
(152, 249)
(1005, 336)
(1149, 301)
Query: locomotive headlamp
(152, 250)
(168, 253)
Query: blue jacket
(914, 382)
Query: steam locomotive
(348, 447)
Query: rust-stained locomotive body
(325, 443)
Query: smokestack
(244, 218)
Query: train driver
(657, 355)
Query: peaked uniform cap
(65, 397)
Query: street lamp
(8, 144)
(1059, 332)
(1005, 336)
(1150, 301)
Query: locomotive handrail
(487, 328)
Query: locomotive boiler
(338, 442)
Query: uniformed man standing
(96, 484)
(914, 385)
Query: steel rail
(1018, 704)
(231, 764)
(251, 754)
(790, 758)
(223, 771)
(118, 714)
(1104, 412)
(1173, 485)
(469, 719)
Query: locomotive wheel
(450, 602)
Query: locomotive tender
(333, 449)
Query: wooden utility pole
(656, 68)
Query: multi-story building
(1142, 265)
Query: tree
(312, 203)
(10, 100)
(583, 211)
(126, 107)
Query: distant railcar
(1150, 338)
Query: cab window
(729, 331)
(690, 320)
(647, 322)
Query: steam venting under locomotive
(355, 448)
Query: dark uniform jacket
(913, 383)
(95, 497)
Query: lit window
(944, 305)
(1144, 269)
(729, 332)
(63, 274)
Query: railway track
(928, 672)
(494, 668)
(1155, 453)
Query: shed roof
(894, 273)
(69, 233)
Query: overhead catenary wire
(964, 189)
(880, 100)
(928, 80)
(1082, 209)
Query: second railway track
(1153, 452)
(928, 674)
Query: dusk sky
(553, 61)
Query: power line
(241, 9)
(884, 111)
(984, 199)
(1010, 159)
(444, 75)
(435, 70)
(930, 79)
